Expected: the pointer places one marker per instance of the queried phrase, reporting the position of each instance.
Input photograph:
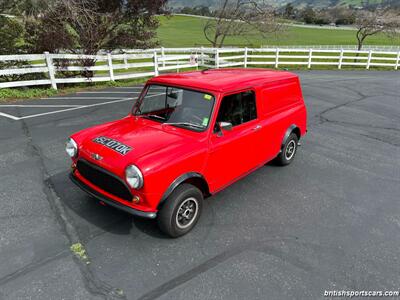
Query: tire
(181, 210)
(288, 150)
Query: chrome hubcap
(187, 213)
(290, 150)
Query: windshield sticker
(207, 97)
(112, 144)
(205, 121)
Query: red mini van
(188, 136)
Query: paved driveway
(329, 221)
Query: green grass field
(182, 31)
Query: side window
(249, 106)
(238, 108)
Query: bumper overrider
(109, 201)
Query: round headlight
(71, 147)
(134, 177)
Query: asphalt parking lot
(329, 221)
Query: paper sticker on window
(207, 97)
(205, 121)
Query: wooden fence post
(369, 59)
(309, 58)
(126, 61)
(277, 58)
(202, 56)
(397, 61)
(50, 67)
(110, 66)
(216, 58)
(155, 61)
(340, 59)
(163, 56)
(245, 57)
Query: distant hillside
(300, 3)
(327, 3)
(192, 3)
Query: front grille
(103, 180)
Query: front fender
(178, 181)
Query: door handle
(258, 127)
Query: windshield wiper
(154, 116)
(185, 124)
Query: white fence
(339, 47)
(102, 67)
(75, 68)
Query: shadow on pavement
(89, 216)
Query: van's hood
(124, 141)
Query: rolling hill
(299, 3)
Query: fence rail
(338, 47)
(53, 69)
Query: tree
(203, 10)
(239, 18)
(11, 38)
(75, 26)
(369, 23)
(11, 34)
(23, 7)
(187, 10)
(86, 26)
(341, 15)
(82, 26)
(289, 11)
(391, 3)
(308, 15)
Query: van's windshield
(176, 107)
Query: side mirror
(225, 125)
(173, 95)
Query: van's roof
(223, 80)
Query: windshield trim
(144, 93)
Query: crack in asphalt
(94, 285)
(32, 266)
(361, 125)
(323, 119)
(380, 140)
(322, 113)
(257, 246)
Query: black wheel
(288, 151)
(181, 210)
